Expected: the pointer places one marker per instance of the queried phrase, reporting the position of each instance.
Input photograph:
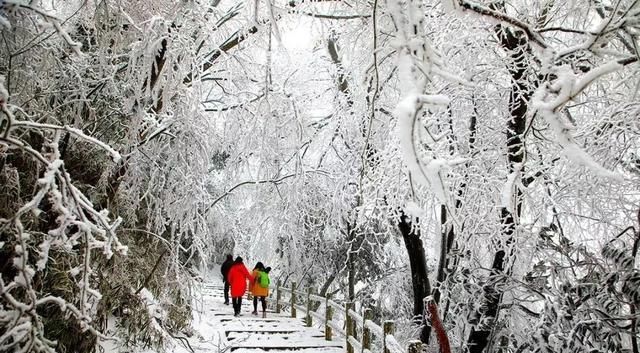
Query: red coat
(237, 277)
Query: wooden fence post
(348, 328)
(293, 299)
(328, 315)
(388, 328)
(366, 333)
(415, 347)
(278, 294)
(309, 320)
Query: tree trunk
(351, 274)
(419, 273)
(516, 45)
(447, 264)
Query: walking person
(260, 288)
(238, 276)
(224, 269)
(253, 288)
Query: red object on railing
(441, 334)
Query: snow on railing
(337, 328)
(392, 345)
(353, 342)
(373, 327)
(355, 316)
(348, 324)
(334, 305)
(317, 315)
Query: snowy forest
(481, 157)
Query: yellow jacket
(256, 289)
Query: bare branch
(485, 11)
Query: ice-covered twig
(480, 9)
(549, 99)
(431, 174)
(54, 21)
(73, 210)
(415, 66)
(507, 194)
(4, 93)
(115, 155)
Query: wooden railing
(355, 324)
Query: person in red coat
(237, 277)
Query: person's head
(238, 260)
(259, 266)
(267, 270)
(229, 257)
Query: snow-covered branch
(77, 226)
(274, 181)
(8, 6)
(549, 100)
(480, 9)
(77, 132)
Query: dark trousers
(237, 304)
(226, 292)
(264, 303)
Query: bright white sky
(299, 35)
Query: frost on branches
(189, 126)
(76, 248)
(73, 226)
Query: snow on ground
(217, 330)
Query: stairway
(250, 334)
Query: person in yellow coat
(260, 288)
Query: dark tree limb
(155, 267)
(236, 38)
(419, 272)
(532, 35)
(516, 44)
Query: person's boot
(264, 314)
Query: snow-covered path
(219, 330)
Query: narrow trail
(249, 334)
